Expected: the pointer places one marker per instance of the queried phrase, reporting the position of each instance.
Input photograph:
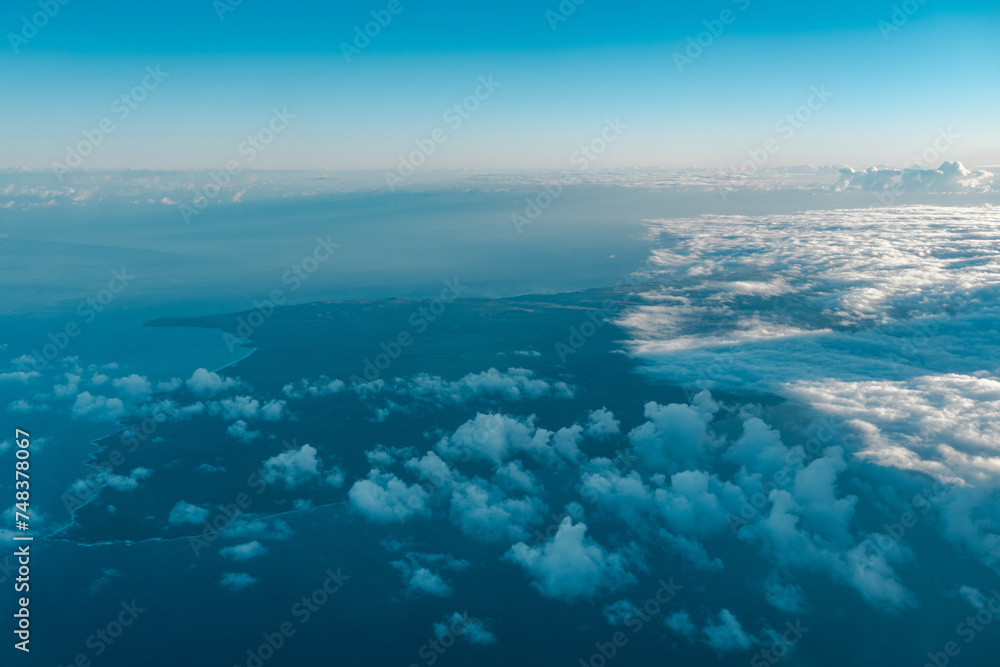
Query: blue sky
(892, 90)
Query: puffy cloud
(680, 623)
(789, 598)
(485, 513)
(98, 408)
(418, 570)
(241, 431)
(323, 386)
(242, 552)
(237, 581)
(602, 424)
(471, 630)
(247, 407)
(949, 177)
(70, 387)
(496, 437)
(133, 386)
(385, 498)
(184, 514)
(676, 436)
(298, 467)
(129, 482)
(724, 634)
(514, 384)
(204, 382)
(572, 566)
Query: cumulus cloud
(322, 386)
(133, 386)
(385, 498)
(484, 512)
(240, 430)
(237, 581)
(496, 437)
(949, 177)
(676, 435)
(97, 408)
(298, 467)
(602, 424)
(514, 384)
(472, 630)
(242, 552)
(421, 572)
(572, 566)
(186, 514)
(204, 382)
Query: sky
(892, 79)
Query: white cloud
(237, 581)
(471, 630)
(242, 552)
(572, 566)
(184, 514)
(323, 386)
(98, 408)
(133, 386)
(241, 431)
(385, 498)
(298, 467)
(204, 382)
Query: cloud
(97, 408)
(484, 512)
(240, 430)
(602, 424)
(494, 438)
(676, 435)
(471, 630)
(133, 386)
(323, 386)
(298, 467)
(19, 376)
(385, 498)
(204, 382)
(724, 634)
(514, 384)
(130, 482)
(242, 552)
(237, 581)
(418, 570)
(949, 177)
(572, 566)
(186, 514)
